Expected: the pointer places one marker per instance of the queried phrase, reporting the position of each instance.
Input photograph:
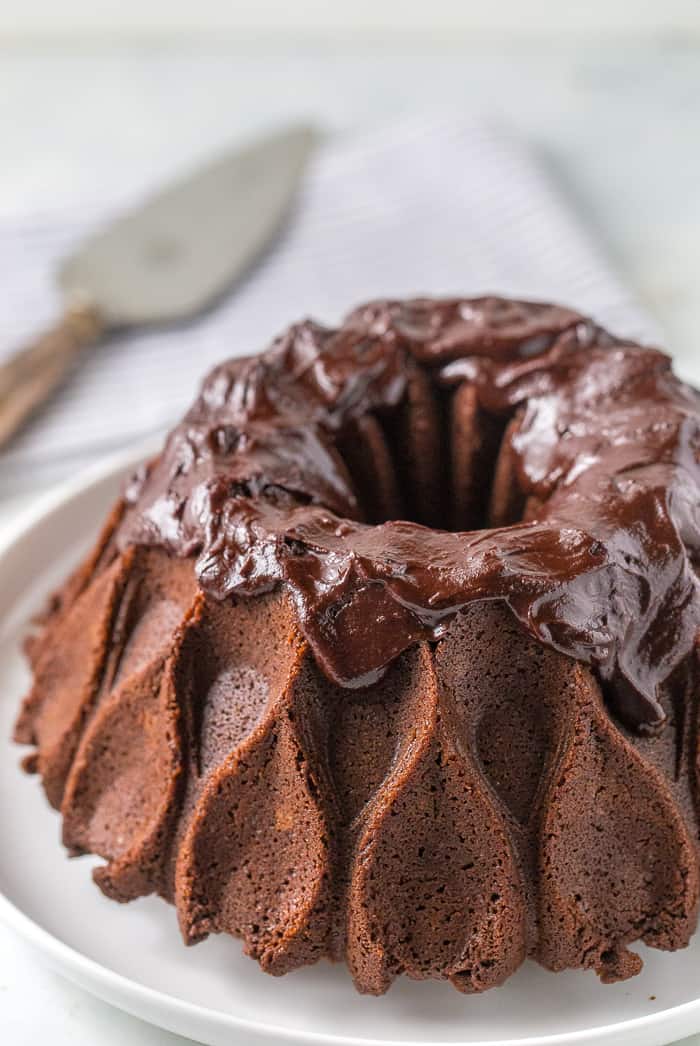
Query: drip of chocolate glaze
(608, 441)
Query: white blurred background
(387, 19)
(98, 92)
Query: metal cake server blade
(162, 262)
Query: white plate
(132, 955)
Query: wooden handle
(29, 377)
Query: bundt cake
(390, 656)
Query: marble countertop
(617, 124)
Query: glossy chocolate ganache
(596, 494)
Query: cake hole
(438, 459)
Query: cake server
(162, 262)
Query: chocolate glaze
(607, 441)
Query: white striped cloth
(433, 205)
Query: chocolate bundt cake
(390, 656)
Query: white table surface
(618, 124)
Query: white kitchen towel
(435, 205)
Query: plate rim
(147, 1003)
